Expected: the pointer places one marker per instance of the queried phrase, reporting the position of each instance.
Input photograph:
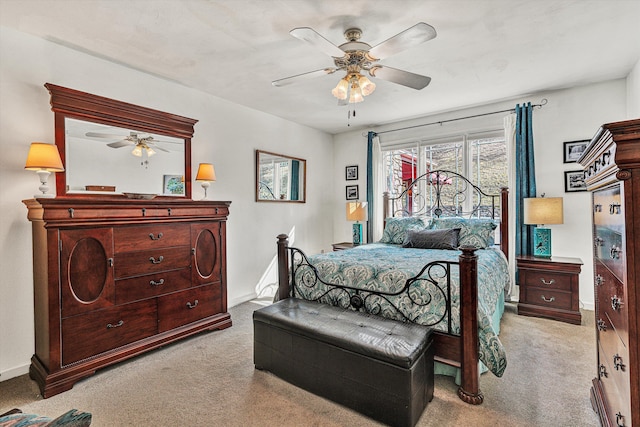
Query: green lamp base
(542, 242)
(357, 233)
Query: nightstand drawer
(545, 279)
(547, 298)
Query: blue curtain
(370, 196)
(295, 180)
(525, 176)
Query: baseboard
(14, 372)
(239, 300)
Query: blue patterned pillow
(474, 232)
(72, 418)
(395, 229)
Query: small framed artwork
(352, 192)
(574, 149)
(574, 181)
(351, 173)
(173, 185)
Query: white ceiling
(485, 50)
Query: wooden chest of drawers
(115, 277)
(612, 174)
(549, 287)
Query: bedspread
(387, 267)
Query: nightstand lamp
(206, 174)
(357, 211)
(44, 159)
(541, 211)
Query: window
(481, 158)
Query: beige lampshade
(206, 172)
(356, 211)
(543, 210)
(44, 156)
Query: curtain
(374, 188)
(509, 123)
(525, 177)
(295, 180)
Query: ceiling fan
(355, 57)
(139, 141)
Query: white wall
(226, 135)
(571, 114)
(633, 92)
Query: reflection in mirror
(129, 161)
(280, 178)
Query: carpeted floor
(209, 380)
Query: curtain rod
(543, 102)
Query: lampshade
(543, 210)
(44, 156)
(340, 91)
(366, 85)
(356, 211)
(206, 172)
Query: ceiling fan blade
(310, 36)
(102, 135)
(119, 144)
(157, 147)
(401, 77)
(409, 38)
(303, 76)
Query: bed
(437, 264)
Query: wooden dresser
(115, 277)
(612, 174)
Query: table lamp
(541, 211)
(206, 174)
(44, 158)
(357, 211)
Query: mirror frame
(257, 174)
(84, 106)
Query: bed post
(385, 206)
(504, 221)
(469, 390)
(283, 267)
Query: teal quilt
(387, 267)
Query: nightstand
(342, 246)
(549, 287)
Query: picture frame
(352, 192)
(574, 149)
(173, 185)
(351, 173)
(574, 181)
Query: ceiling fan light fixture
(150, 151)
(356, 94)
(340, 91)
(137, 151)
(366, 85)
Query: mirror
(280, 178)
(113, 148)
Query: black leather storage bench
(379, 367)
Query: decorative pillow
(432, 239)
(72, 418)
(474, 232)
(395, 229)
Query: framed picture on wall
(574, 149)
(352, 192)
(351, 173)
(574, 181)
(173, 184)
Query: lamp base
(357, 233)
(542, 242)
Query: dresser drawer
(187, 306)
(127, 239)
(545, 279)
(615, 385)
(152, 285)
(611, 301)
(94, 333)
(547, 298)
(129, 264)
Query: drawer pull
(552, 299)
(110, 262)
(619, 420)
(599, 280)
(616, 302)
(615, 252)
(117, 325)
(597, 208)
(603, 371)
(158, 237)
(602, 325)
(550, 282)
(614, 209)
(194, 305)
(598, 241)
(617, 363)
(156, 261)
(158, 283)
